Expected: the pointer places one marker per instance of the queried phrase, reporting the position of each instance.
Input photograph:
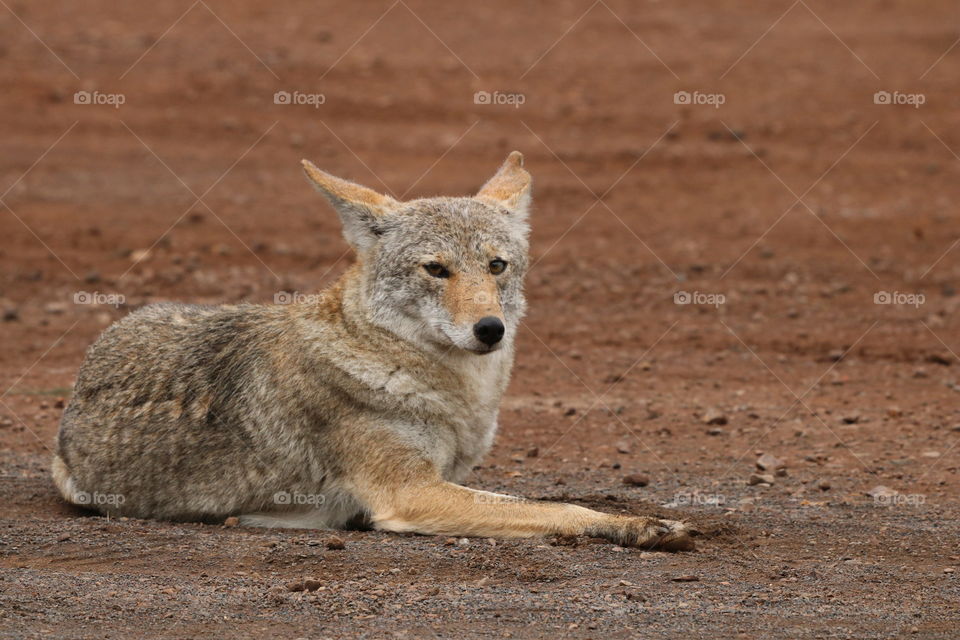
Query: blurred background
(744, 235)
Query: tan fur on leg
(431, 506)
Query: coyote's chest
(484, 380)
(452, 415)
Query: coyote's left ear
(510, 187)
(361, 210)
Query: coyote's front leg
(417, 500)
(444, 508)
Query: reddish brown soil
(606, 359)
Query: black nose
(488, 330)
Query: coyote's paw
(666, 535)
(648, 533)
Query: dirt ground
(809, 224)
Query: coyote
(364, 408)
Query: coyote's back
(167, 408)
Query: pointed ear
(510, 186)
(361, 209)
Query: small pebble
(769, 462)
(714, 416)
(309, 584)
(636, 480)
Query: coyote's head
(441, 271)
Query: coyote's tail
(63, 481)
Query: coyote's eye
(437, 270)
(498, 266)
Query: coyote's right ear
(510, 186)
(361, 209)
